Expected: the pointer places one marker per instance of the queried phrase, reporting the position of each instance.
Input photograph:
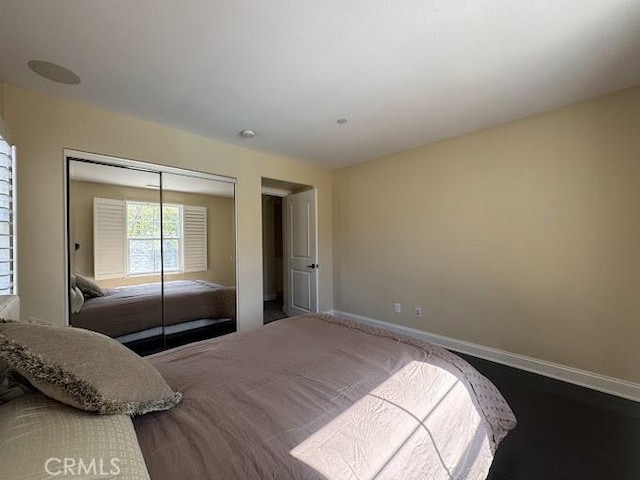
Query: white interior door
(301, 253)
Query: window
(8, 280)
(144, 236)
(126, 238)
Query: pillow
(10, 307)
(41, 436)
(88, 287)
(10, 386)
(76, 300)
(84, 369)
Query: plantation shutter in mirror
(195, 238)
(109, 223)
(8, 245)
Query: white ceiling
(404, 72)
(97, 173)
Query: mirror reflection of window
(144, 235)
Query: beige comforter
(136, 308)
(315, 397)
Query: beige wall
(42, 126)
(4, 131)
(523, 237)
(220, 225)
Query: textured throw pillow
(88, 287)
(40, 437)
(84, 369)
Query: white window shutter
(195, 238)
(109, 224)
(8, 245)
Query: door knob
(313, 265)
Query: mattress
(317, 397)
(126, 310)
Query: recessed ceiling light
(247, 133)
(54, 72)
(341, 121)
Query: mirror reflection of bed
(151, 255)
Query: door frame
(69, 154)
(284, 193)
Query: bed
(134, 312)
(318, 397)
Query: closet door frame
(70, 155)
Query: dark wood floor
(273, 310)
(564, 431)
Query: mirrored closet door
(199, 287)
(151, 253)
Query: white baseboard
(602, 383)
(269, 296)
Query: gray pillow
(88, 287)
(38, 434)
(12, 384)
(84, 369)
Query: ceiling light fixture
(341, 121)
(247, 133)
(53, 72)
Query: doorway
(289, 249)
(272, 259)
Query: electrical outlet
(417, 312)
(397, 307)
